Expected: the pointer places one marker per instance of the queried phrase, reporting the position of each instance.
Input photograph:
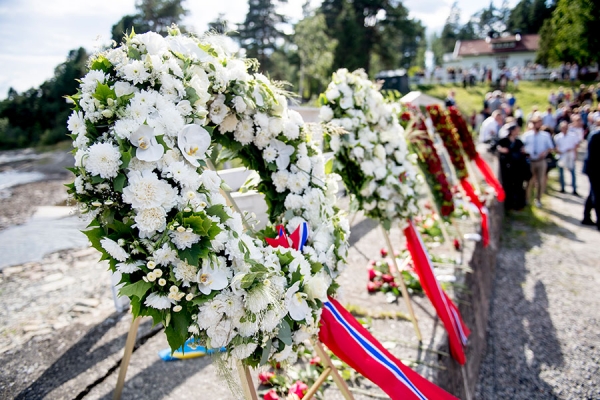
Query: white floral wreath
(145, 117)
(372, 158)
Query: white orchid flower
(148, 148)
(211, 277)
(284, 152)
(193, 141)
(296, 303)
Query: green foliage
(152, 15)
(573, 33)
(39, 115)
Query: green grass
(529, 94)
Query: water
(51, 229)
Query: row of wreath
(147, 116)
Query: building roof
(507, 44)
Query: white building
(495, 53)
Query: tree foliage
(528, 16)
(572, 34)
(39, 115)
(152, 15)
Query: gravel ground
(543, 336)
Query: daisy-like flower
(136, 72)
(129, 267)
(145, 190)
(185, 239)
(165, 255)
(103, 159)
(185, 272)
(150, 220)
(158, 301)
(76, 123)
(113, 248)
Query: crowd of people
(550, 139)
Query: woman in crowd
(514, 169)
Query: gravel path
(543, 334)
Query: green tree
(573, 33)
(437, 49)
(315, 51)
(449, 34)
(260, 33)
(219, 25)
(152, 15)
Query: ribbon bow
(296, 240)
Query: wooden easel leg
(246, 381)
(129, 344)
(403, 289)
(339, 381)
(463, 372)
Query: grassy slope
(471, 99)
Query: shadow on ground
(521, 335)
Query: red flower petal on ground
(372, 274)
(266, 378)
(271, 395)
(387, 278)
(315, 360)
(299, 389)
(383, 252)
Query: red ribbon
(482, 210)
(489, 177)
(445, 308)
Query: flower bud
(177, 308)
(151, 264)
(180, 229)
(162, 281)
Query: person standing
(514, 169)
(566, 144)
(488, 133)
(549, 119)
(538, 144)
(591, 167)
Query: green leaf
(191, 255)
(104, 92)
(126, 156)
(248, 280)
(119, 183)
(329, 166)
(199, 224)
(265, 353)
(191, 95)
(218, 210)
(177, 332)
(101, 63)
(137, 289)
(285, 333)
(134, 53)
(97, 179)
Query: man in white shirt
(566, 142)
(489, 128)
(537, 144)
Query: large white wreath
(372, 157)
(144, 120)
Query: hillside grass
(529, 94)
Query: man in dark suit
(591, 167)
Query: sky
(36, 35)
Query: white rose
(325, 113)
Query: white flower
(158, 301)
(183, 174)
(280, 180)
(316, 287)
(115, 251)
(164, 255)
(103, 159)
(248, 328)
(183, 240)
(153, 42)
(379, 152)
(275, 126)
(325, 114)
(150, 220)
(229, 124)
(244, 132)
(346, 102)
(284, 152)
(123, 89)
(136, 72)
(240, 104)
(269, 154)
(243, 351)
(129, 267)
(210, 180)
(296, 304)
(332, 93)
(148, 148)
(76, 123)
(358, 152)
(145, 190)
(213, 276)
(258, 299)
(220, 334)
(185, 272)
(184, 107)
(218, 110)
(194, 141)
(291, 130)
(91, 80)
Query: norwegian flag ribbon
(485, 232)
(447, 311)
(490, 178)
(297, 239)
(354, 345)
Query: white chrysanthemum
(271, 319)
(165, 255)
(291, 130)
(150, 220)
(136, 72)
(183, 174)
(258, 299)
(158, 301)
(244, 132)
(185, 272)
(129, 267)
(123, 89)
(103, 159)
(243, 351)
(185, 239)
(247, 329)
(239, 104)
(76, 123)
(91, 79)
(269, 154)
(210, 180)
(280, 180)
(218, 109)
(220, 334)
(145, 190)
(115, 251)
(326, 114)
